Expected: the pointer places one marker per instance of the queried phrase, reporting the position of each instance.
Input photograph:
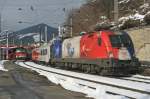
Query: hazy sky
(34, 11)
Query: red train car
(21, 53)
(36, 54)
(11, 54)
(18, 53)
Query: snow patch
(36, 37)
(72, 85)
(75, 85)
(124, 1)
(148, 13)
(145, 5)
(136, 16)
(26, 35)
(140, 76)
(2, 66)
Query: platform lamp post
(7, 44)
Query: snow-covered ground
(2, 66)
(74, 84)
(140, 76)
(124, 1)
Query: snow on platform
(76, 84)
(2, 66)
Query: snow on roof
(2, 66)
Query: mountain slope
(32, 34)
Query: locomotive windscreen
(120, 41)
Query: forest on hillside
(97, 11)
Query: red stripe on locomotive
(21, 54)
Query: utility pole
(40, 35)
(53, 35)
(116, 11)
(46, 34)
(0, 23)
(7, 45)
(59, 31)
(0, 42)
(21, 43)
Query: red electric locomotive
(21, 53)
(102, 52)
(18, 53)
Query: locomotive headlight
(111, 55)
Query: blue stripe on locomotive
(57, 49)
(131, 48)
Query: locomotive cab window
(120, 41)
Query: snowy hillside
(136, 17)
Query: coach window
(41, 52)
(45, 51)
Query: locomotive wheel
(87, 69)
(66, 66)
(104, 72)
(93, 71)
(52, 64)
(97, 69)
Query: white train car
(45, 52)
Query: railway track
(131, 87)
(135, 79)
(141, 77)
